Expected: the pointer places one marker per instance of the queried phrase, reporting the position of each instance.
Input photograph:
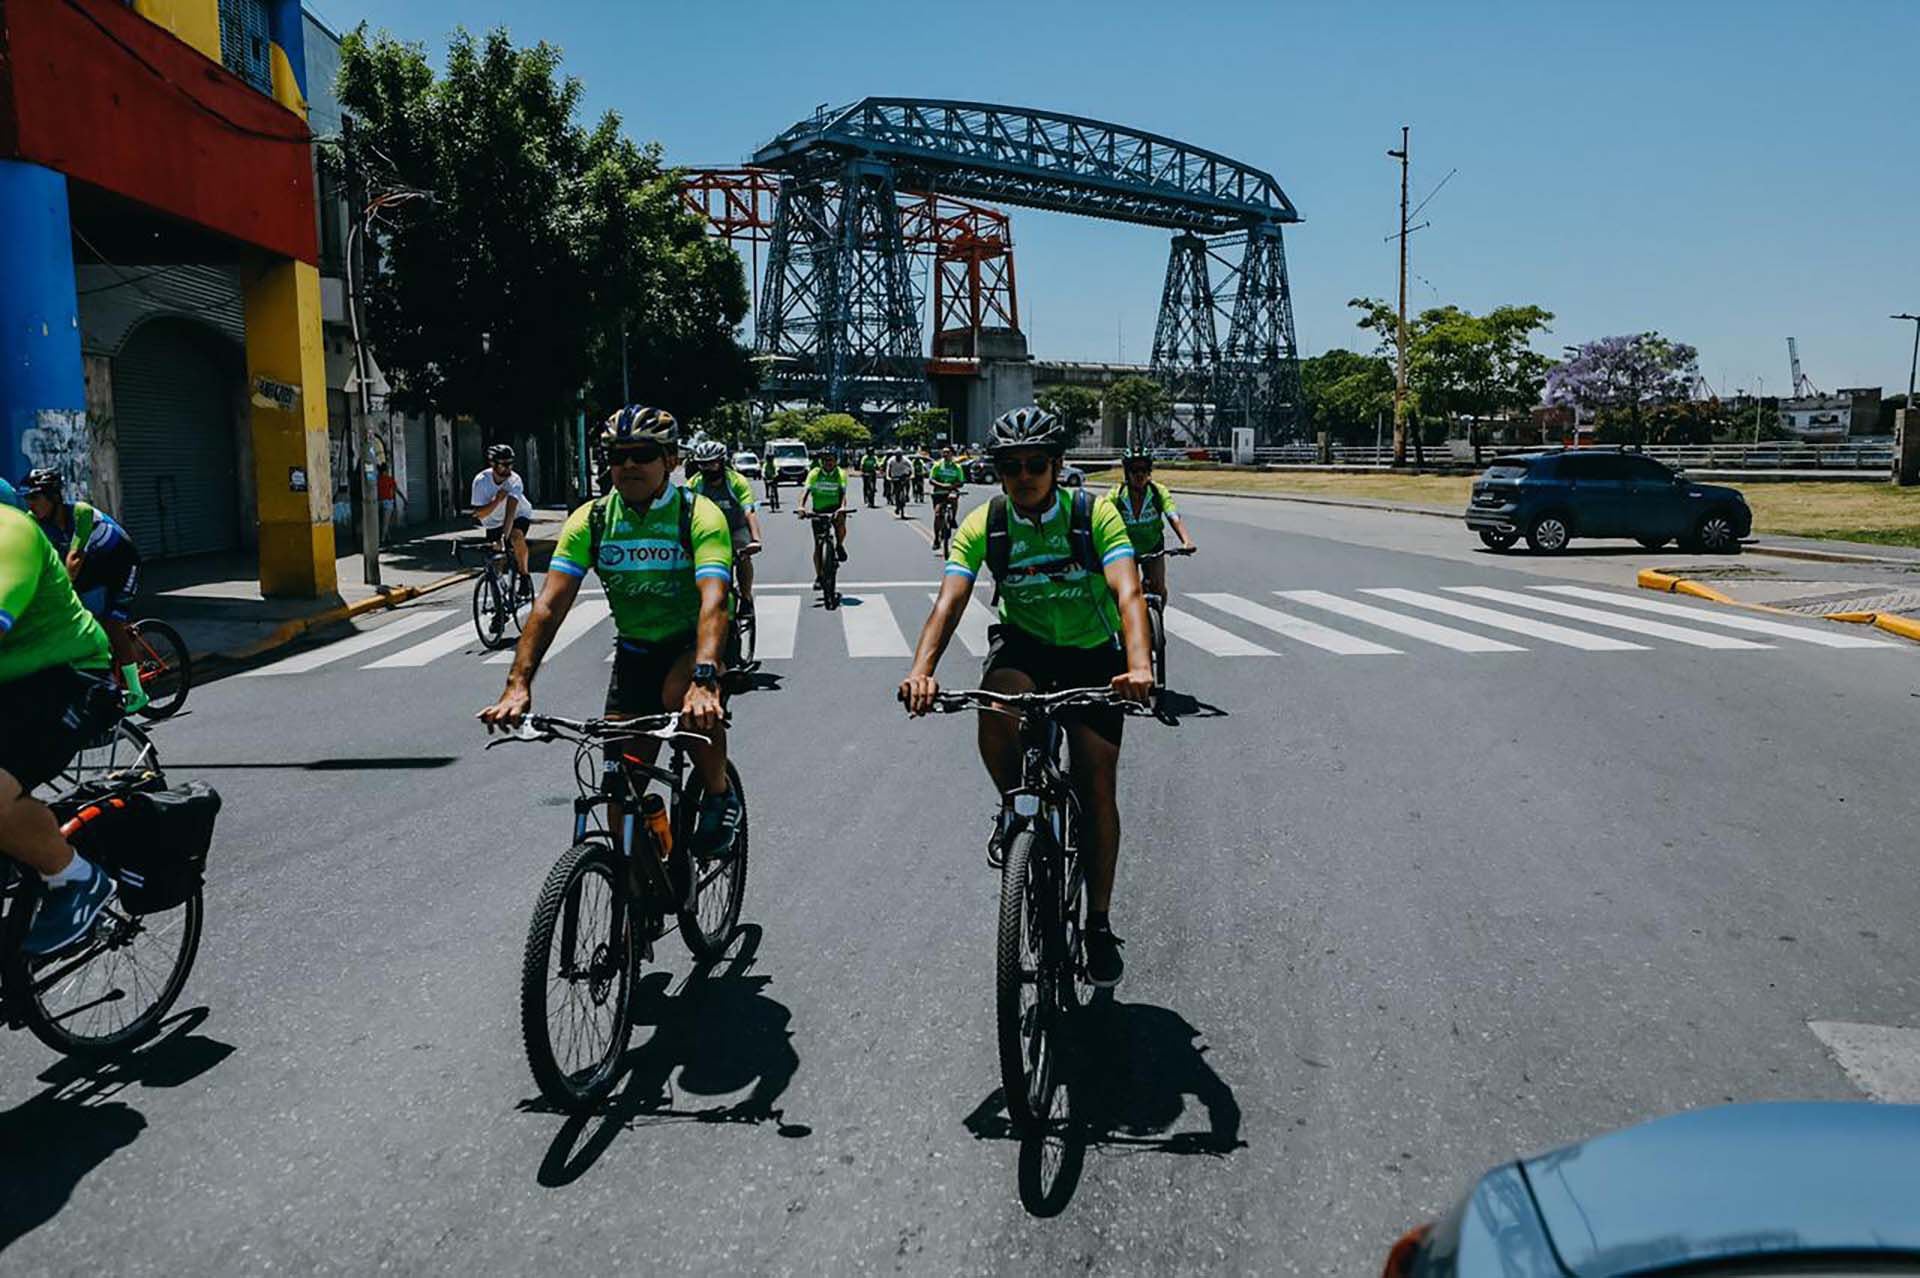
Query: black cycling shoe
(841, 551)
(1004, 824)
(1105, 967)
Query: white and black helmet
(1028, 427)
(703, 451)
(500, 453)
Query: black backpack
(597, 525)
(1079, 542)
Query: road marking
(1209, 637)
(1882, 1060)
(421, 653)
(1307, 632)
(1731, 620)
(583, 616)
(1639, 625)
(973, 625)
(870, 627)
(778, 620)
(1507, 621)
(405, 624)
(1413, 627)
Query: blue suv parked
(1551, 498)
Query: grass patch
(1873, 536)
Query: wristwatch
(706, 674)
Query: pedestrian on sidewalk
(391, 498)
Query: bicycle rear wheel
(722, 883)
(830, 574)
(166, 671)
(1027, 1001)
(493, 612)
(110, 995)
(576, 979)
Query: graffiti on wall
(59, 440)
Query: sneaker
(997, 841)
(67, 913)
(1104, 964)
(719, 822)
(841, 552)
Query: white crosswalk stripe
(870, 627)
(1307, 632)
(778, 618)
(1528, 626)
(1720, 615)
(584, 616)
(1619, 621)
(353, 647)
(450, 640)
(1413, 627)
(1210, 638)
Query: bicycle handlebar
(548, 727)
(1149, 556)
(1032, 702)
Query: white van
(789, 459)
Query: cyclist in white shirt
(500, 506)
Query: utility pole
(1913, 410)
(626, 395)
(1400, 338)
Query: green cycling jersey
(1076, 610)
(948, 474)
(1146, 521)
(734, 497)
(828, 488)
(42, 622)
(652, 583)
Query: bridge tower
(1186, 346)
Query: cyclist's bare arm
(702, 710)
(1123, 579)
(481, 512)
(919, 687)
(543, 623)
(1180, 527)
(513, 509)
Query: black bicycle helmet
(44, 479)
(500, 453)
(1029, 427)
(638, 423)
(1137, 452)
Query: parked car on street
(747, 464)
(980, 470)
(1552, 497)
(1072, 476)
(1787, 1187)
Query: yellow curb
(288, 631)
(1905, 627)
(1654, 579)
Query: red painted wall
(91, 89)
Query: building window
(244, 42)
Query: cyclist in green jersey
(1145, 505)
(664, 556)
(103, 563)
(824, 492)
(948, 479)
(55, 697)
(1062, 625)
(715, 479)
(869, 475)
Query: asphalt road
(1392, 917)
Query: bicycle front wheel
(722, 882)
(1027, 1009)
(166, 671)
(1157, 632)
(576, 979)
(492, 613)
(110, 995)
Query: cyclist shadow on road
(1174, 705)
(1127, 1080)
(718, 1034)
(50, 1143)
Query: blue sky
(1726, 173)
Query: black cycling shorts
(49, 715)
(1053, 668)
(639, 669)
(521, 523)
(108, 582)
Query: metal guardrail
(1873, 453)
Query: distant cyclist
(899, 475)
(501, 507)
(869, 474)
(715, 479)
(1144, 504)
(824, 492)
(948, 478)
(102, 562)
(919, 460)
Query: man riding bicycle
(869, 475)
(948, 479)
(103, 564)
(501, 508)
(1071, 616)
(717, 481)
(899, 474)
(55, 697)
(663, 555)
(1143, 505)
(919, 460)
(824, 492)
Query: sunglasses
(1011, 466)
(638, 454)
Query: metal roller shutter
(173, 409)
(419, 469)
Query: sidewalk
(214, 601)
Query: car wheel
(1652, 543)
(1549, 534)
(1495, 540)
(1714, 533)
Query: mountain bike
(166, 671)
(108, 993)
(500, 600)
(1156, 609)
(900, 490)
(609, 898)
(1040, 974)
(825, 552)
(773, 491)
(944, 507)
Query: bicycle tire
(488, 603)
(747, 638)
(1157, 631)
(122, 747)
(1023, 1035)
(707, 939)
(830, 576)
(164, 654)
(587, 1085)
(93, 982)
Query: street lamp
(1913, 366)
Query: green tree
(1346, 393)
(789, 423)
(1077, 407)
(841, 430)
(921, 426)
(1141, 402)
(1462, 366)
(506, 294)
